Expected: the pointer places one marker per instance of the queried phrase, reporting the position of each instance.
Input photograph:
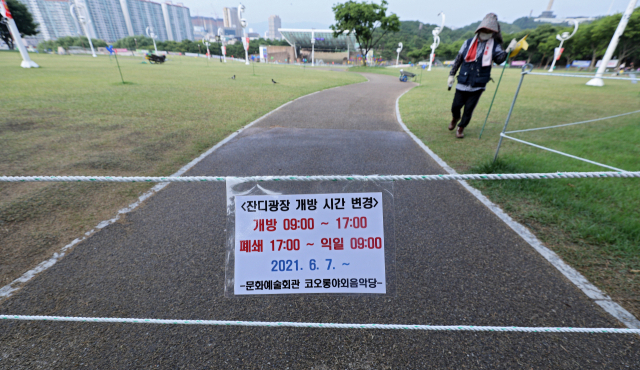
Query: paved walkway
(456, 263)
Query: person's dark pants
(468, 100)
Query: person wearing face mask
(474, 61)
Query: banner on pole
(558, 52)
(4, 10)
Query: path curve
(456, 263)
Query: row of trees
(143, 42)
(377, 30)
(416, 36)
(69, 41)
(589, 43)
(188, 46)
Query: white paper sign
(309, 243)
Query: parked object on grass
(404, 76)
(156, 59)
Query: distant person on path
(474, 61)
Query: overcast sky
(458, 12)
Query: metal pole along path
(506, 62)
(84, 19)
(245, 38)
(513, 103)
(562, 38)
(17, 40)
(115, 54)
(436, 41)
(313, 47)
(597, 81)
(153, 36)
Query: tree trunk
(542, 59)
(627, 50)
(623, 54)
(569, 60)
(593, 60)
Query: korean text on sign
(309, 243)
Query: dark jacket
(473, 73)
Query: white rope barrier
(506, 176)
(574, 123)
(580, 76)
(275, 324)
(559, 152)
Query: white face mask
(484, 36)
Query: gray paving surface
(456, 263)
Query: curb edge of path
(595, 294)
(8, 290)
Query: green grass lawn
(73, 116)
(594, 224)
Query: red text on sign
(338, 243)
(271, 224)
(294, 224)
(288, 244)
(247, 246)
(353, 222)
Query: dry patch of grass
(72, 117)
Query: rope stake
(520, 329)
(458, 177)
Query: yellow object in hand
(522, 44)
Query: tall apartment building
(231, 20)
(110, 20)
(205, 25)
(140, 14)
(107, 20)
(54, 19)
(177, 20)
(274, 26)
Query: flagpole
(15, 33)
(494, 96)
